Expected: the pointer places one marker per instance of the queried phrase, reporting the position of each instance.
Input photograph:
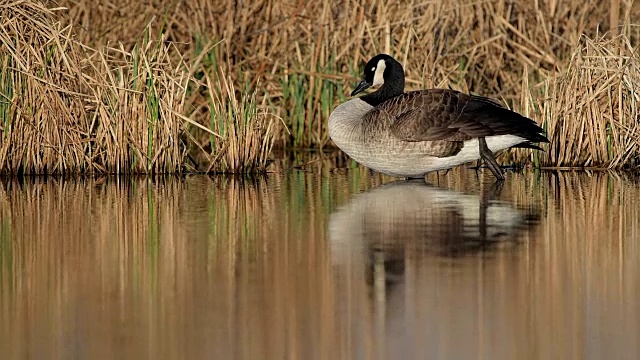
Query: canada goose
(411, 134)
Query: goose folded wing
(448, 115)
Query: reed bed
(139, 98)
(242, 135)
(594, 118)
(295, 61)
(42, 104)
(67, 108)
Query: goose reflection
(403, 217)
(409, 264)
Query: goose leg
(489, 159)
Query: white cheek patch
(378, 77)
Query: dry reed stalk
(42, 112)
(139, 101)
(241, 134)
(592, 113)
(68, 108)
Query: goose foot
(489, 159)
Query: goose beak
(364, 84)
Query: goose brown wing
(401, 122)
(448, 115)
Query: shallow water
(321, 265)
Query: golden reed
(210, 86)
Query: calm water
(321, 265)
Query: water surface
(321, 264)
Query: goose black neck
(392, 87)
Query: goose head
(384, 71)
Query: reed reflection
(335, 265)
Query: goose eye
(373, 69)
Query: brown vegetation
(295, 60)
(69, 108)
(592, 112)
